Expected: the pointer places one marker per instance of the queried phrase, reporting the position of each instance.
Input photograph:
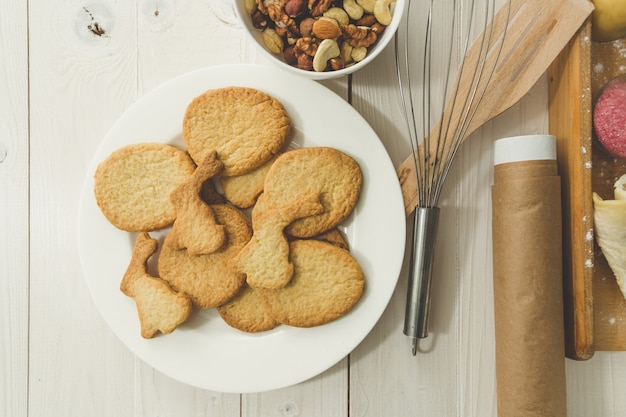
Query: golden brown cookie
(335, 237)
(133, 185)
(160, 308)
(326, 284)
(247, 312)
(196, 228)
(244, 125)
(300, 172)
(210, 195)
(265, 258)
(207, 279)
(243, 190)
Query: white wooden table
(68, 70)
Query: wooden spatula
(536, 33)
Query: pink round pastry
(609, 117)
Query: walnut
(319, 7)
(357, 36)
(260, 4)
(306, 46)
(285, 25)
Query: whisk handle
(420, 272)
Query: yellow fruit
(608, 21)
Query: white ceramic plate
(204, 351)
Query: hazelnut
(259, 20)
(289, 53)
(367, 20)
(306, 26)
(295, 8)
(378, 28)
(305, 62)
(337, 63)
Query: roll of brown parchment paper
(528, 278)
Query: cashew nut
(273, 41)
(359, 53)
(346, 52)
(250, 6)
(382, 11)
(353, 9)
(367, 5)
(327, 49)
(338, 14)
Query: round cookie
(244, 125)
(247, 312)
(207, 279)
(133, 185)
(301, 172)
(243, 190)
(326, 284)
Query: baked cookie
(196, 228)
(160, 308)
(335, 237)
(326, 284)
(243, 190)
(247, 312)
(301, 172)
(265, 258)
(210, 195)
(244, 125)
(207, 279)
(133, 185)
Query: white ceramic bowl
(255, 34)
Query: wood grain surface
(69, 70)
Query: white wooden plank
(178, 36)
(323, 395)
(385, 378)
(595, 387)
(159, 395)
(14, 256)
(83, 76)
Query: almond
(326, 28)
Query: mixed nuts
(320, 35)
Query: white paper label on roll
(524, 148)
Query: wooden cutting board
(595, 311)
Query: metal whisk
(439, 99)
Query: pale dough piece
(610, 229)
(160, 308)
